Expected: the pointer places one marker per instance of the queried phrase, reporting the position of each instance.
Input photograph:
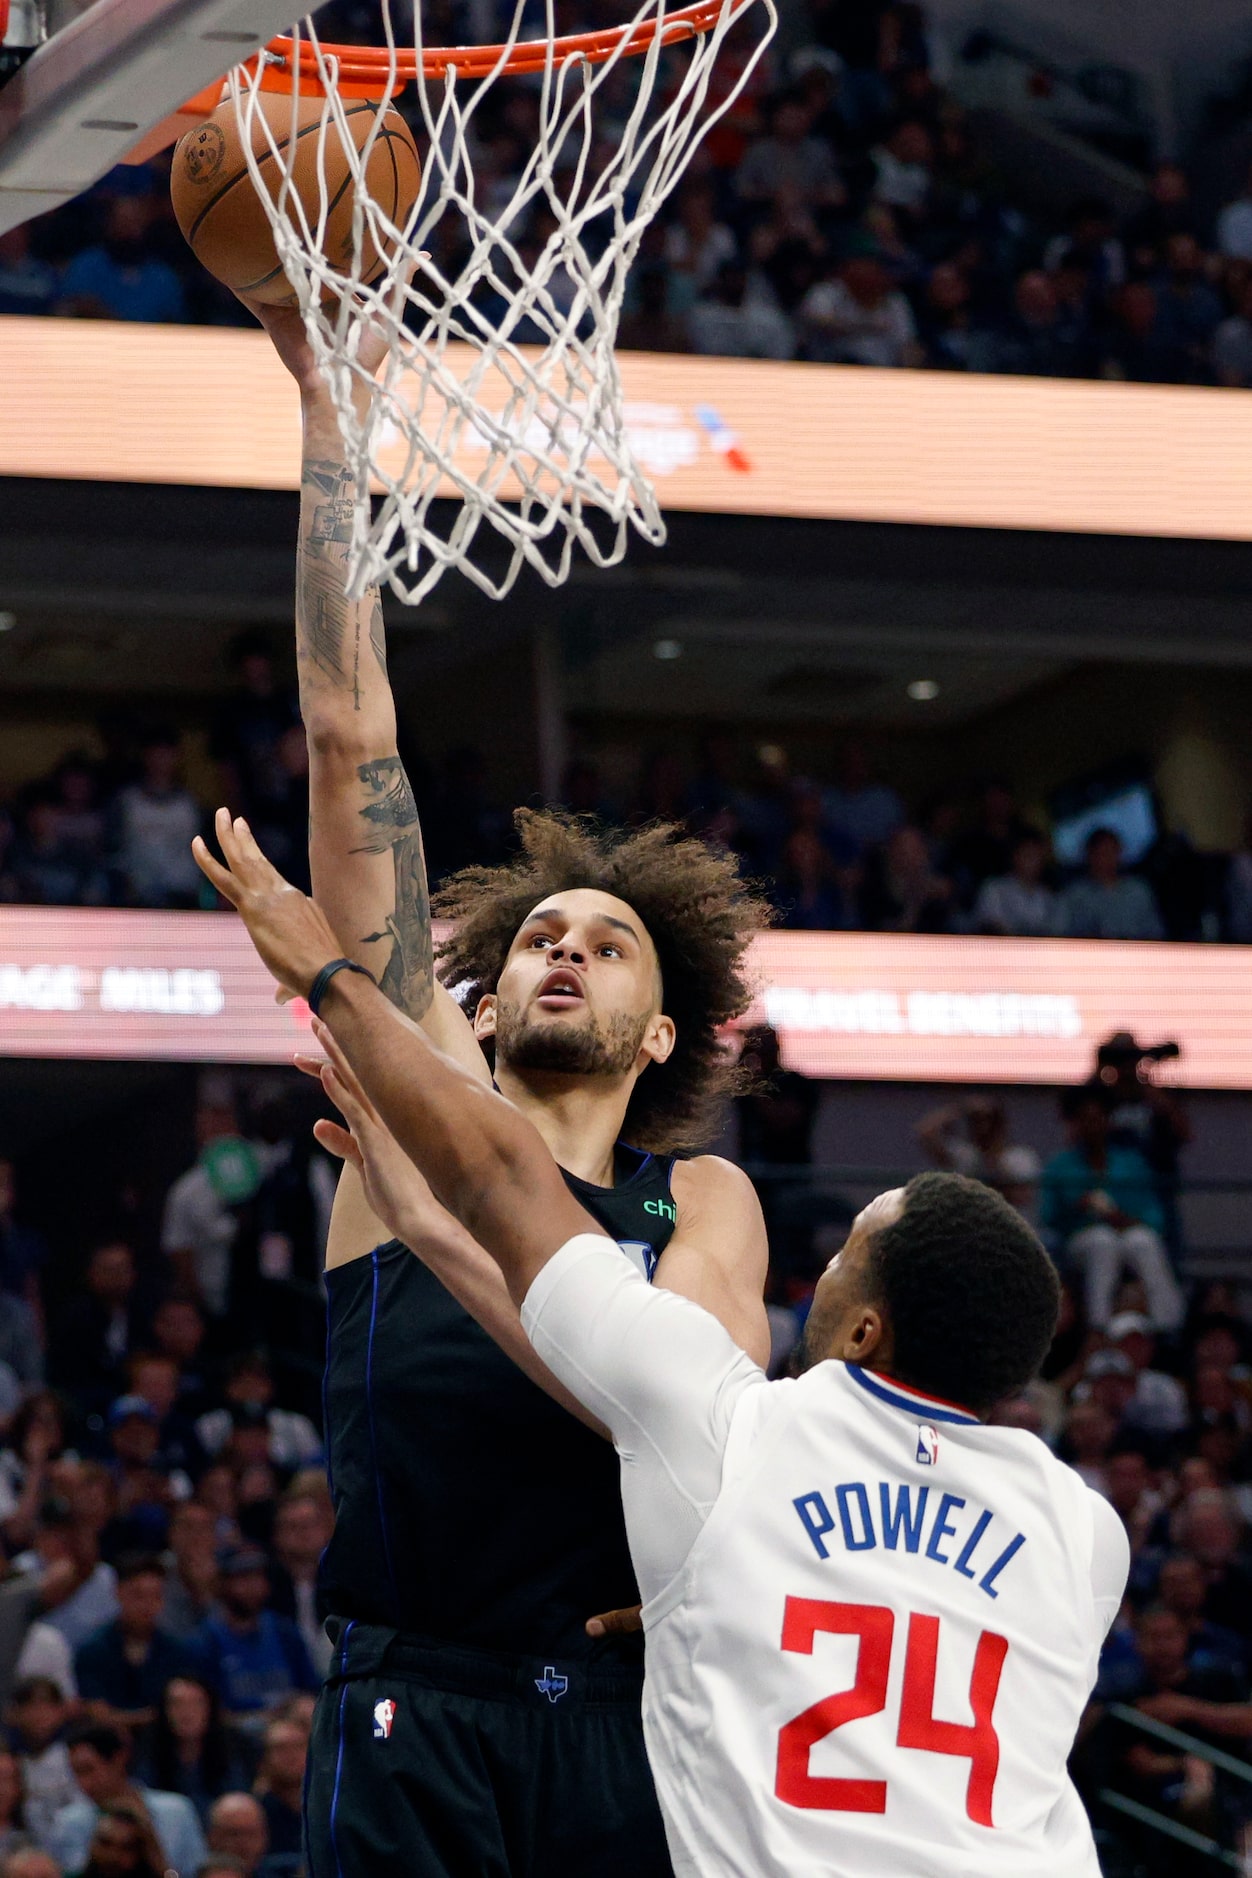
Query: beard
(600, 1047)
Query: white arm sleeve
(1110, 1560)
(660, 1373)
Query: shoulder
(709, 1181)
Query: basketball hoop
(500, 388)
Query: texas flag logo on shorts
(927, 1444)
(384, 1715)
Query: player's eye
(611, 952)
(541, 939)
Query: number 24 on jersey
(804, 1619)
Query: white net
(501, 290)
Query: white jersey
(872, 1622)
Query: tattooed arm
(365, 843)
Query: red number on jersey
(803, 1620)
(978, 1741)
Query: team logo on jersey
(927, 1444)
(551, 1685)
(384, 1716)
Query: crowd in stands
(847, 853)
(162, 1514)
(844, 211)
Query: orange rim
(366, 71)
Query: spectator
(123, 1667)
(904, 171)
(857, 317)
(790, 157)
(190, 1750)
(1181, 1587)
(1139, 346)
(1091, 244)
(98, 1757)
(696, 242)
(190, 1569)
(79, 1589)
(725, 321)
(90, 1350)
(178, 1333)
(1105, 903)
(37, 1718)
(951, 337)
(1159, 1404)
(157, 820)
(1188, 309)
(146, 1491)
(36, 1437)
(986, 848)
(817, 889)
(859, 808)
(252, 1657)
(1098, 1204)
(1208, 1528)
(303, 1527)
(201, 1216)
(46, 867)
(1019, 902)
(237, 1827)
(1088, 1441)
(972, 1137)
(156, 1379)
(27, 285)
(280, 1786)
(119, 278)
(902, 892)
(1234, 226)
(1168, 211)
(292, 1440)
(124, 1844)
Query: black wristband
(317, 990)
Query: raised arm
(365, 842)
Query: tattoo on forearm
(390, 816)
(325, 618)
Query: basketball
(220, 212)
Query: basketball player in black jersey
(475, 1724)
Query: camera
(1120, 1052)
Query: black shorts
(435, 1762)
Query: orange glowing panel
(188, 987)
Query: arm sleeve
(660, 1373)
(1110, 1561)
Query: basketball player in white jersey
(872, 1620)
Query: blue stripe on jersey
(333, 1822)
(369, 1402)
(919, 1406)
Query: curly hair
(701, 915)
(971, 1295)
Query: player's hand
(285, 326)
(397, 1193)
(291, 934)
(625, 1623)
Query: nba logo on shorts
(384, 1715)
(927, 1444)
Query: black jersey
(470, 1507)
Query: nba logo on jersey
(384, 1715)
(927, 1444)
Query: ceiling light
(668, 649)
(922, 690)
(7, 621)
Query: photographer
(1145, 1117)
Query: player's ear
(485, 1017)
(863, 1338)
(659, 1038)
